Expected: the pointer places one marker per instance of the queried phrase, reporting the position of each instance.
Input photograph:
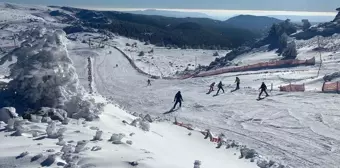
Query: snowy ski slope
(298, 129)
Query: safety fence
(259, 66)
(292, 88)
(89, 73)
(331, 87)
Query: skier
(237, 81)
(263, 88)
(220, 87)
(116, 65)
(149, 82)
(178, 99)
(211, 87)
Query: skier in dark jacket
(237, 81)
(220, 87)
(263, 89)
(211, 87)
(149, 82)
(178, 99)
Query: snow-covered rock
(197, 164)
(98, 135)
(52, 131)
(117, 138)
(80, 146)
(7, 113)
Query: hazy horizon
(225, 14)
(220, 14)
(262, 5)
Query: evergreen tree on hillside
(283, 42)
(306, 24)
(290, 52)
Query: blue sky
(277, 5)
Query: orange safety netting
(331, 87)
(263, 65)
(292, 88)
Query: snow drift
(44, 76)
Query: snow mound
(7, 113)
(44, 76)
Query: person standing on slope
(237, 81)
(211, 87)
(178, 99)
(149, 82)
(220, 87)
(263, 88)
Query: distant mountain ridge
(252, 23)
(186, 32)
(176, 14)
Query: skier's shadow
(171, 111)
(234, 90)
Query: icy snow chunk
(197, 164)
(96, 148)
(52, 131)
(117, 138)
(148, 118)
(129, 142)
(98, 135)
(145, 126)
(53, 113)
(80, 146)
(46, 120)
(10, 125)
(61, 141)
(7, 113)
(36, 118)
(17, 125)
(248, 153)
(34, 133)
(67, 149)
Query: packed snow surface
(165, 145)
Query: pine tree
(290, 52)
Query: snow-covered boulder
(53, 113)
(117, 138)
(142, 124)
(197, 164)
(98, 135)
(52, 131)
(17, 125)
(148, 118)
(80, 146)
(44, 76)
(36, 118)
(7, 113)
